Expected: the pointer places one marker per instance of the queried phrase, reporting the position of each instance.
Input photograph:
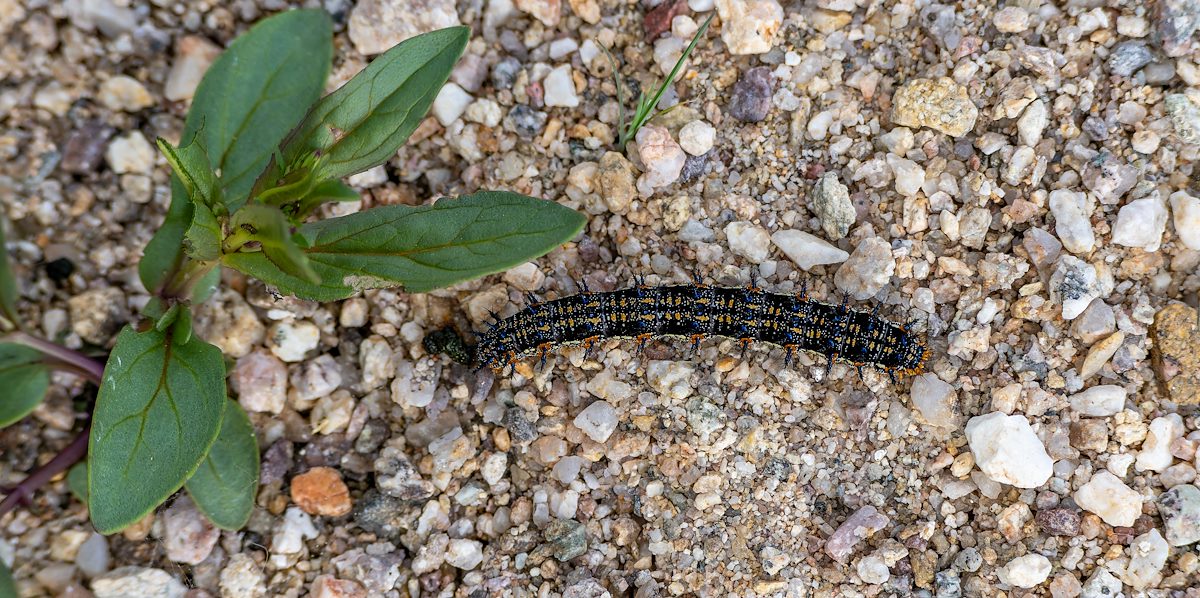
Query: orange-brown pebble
(327, 586)
(321, 491)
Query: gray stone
(752, 96)
(1180, 510)
(1127, 57)
(831, 202)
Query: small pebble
(124, 94)
(598, 421)
(130, 153)
(1008, 451)
(831, 201)
(1127, 57)
(1180, 510)
(1186, 211)
(1107, 496)
(861, 525)
(321, 491)
(807, 251)
(292, 340)
(662, 156)
(137, 581)
(560, 88)
(748, 26)
(749, 241)
(193, 55)
(260, 381)
(935, 399)
(451, 102)
(697, 137)
(377, 25)
(1141, 223)
(867, 270)
(940, 104)
(751, 100)
(1027, 571)
(464, 554)
(1099, 401)
(1147, 556)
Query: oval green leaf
(422, 248)
(24, 378)
(255, 92)
(8, 587)
(77, 480)
(8, 285)
(225, 485)
(157, 413)
(363, 123)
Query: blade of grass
(643, 114)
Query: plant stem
(189, 274)
(70, 455)
(82, 364)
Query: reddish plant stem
(86, 366)
(22, 492)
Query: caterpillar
(697, 311)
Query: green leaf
(157, 413)
(254, 93)
(8, 284)
(422, 248)
(257, 91)
(24, 377)
(77, 480)
(333, 190)
(363, 123)
(270, 228)
(8, 587)
(164, 252)
(225, 485)
(191, 165)
(202, 241)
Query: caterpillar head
(914, 355)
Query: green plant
(7, 587)
(260, 153)
(646, 105)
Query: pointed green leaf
(8, 284)
(202, 241)
(270, 228)
(8, 587)
(191, 165)
(363, 123)
(255, 92)
(421, 248)
(24, 377)
(157, 413)
(165, 251)
(258, 89)
(77, 480)
(225, 485)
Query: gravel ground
(1016, 179)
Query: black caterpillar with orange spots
(697, 311)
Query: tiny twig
(23, 491)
